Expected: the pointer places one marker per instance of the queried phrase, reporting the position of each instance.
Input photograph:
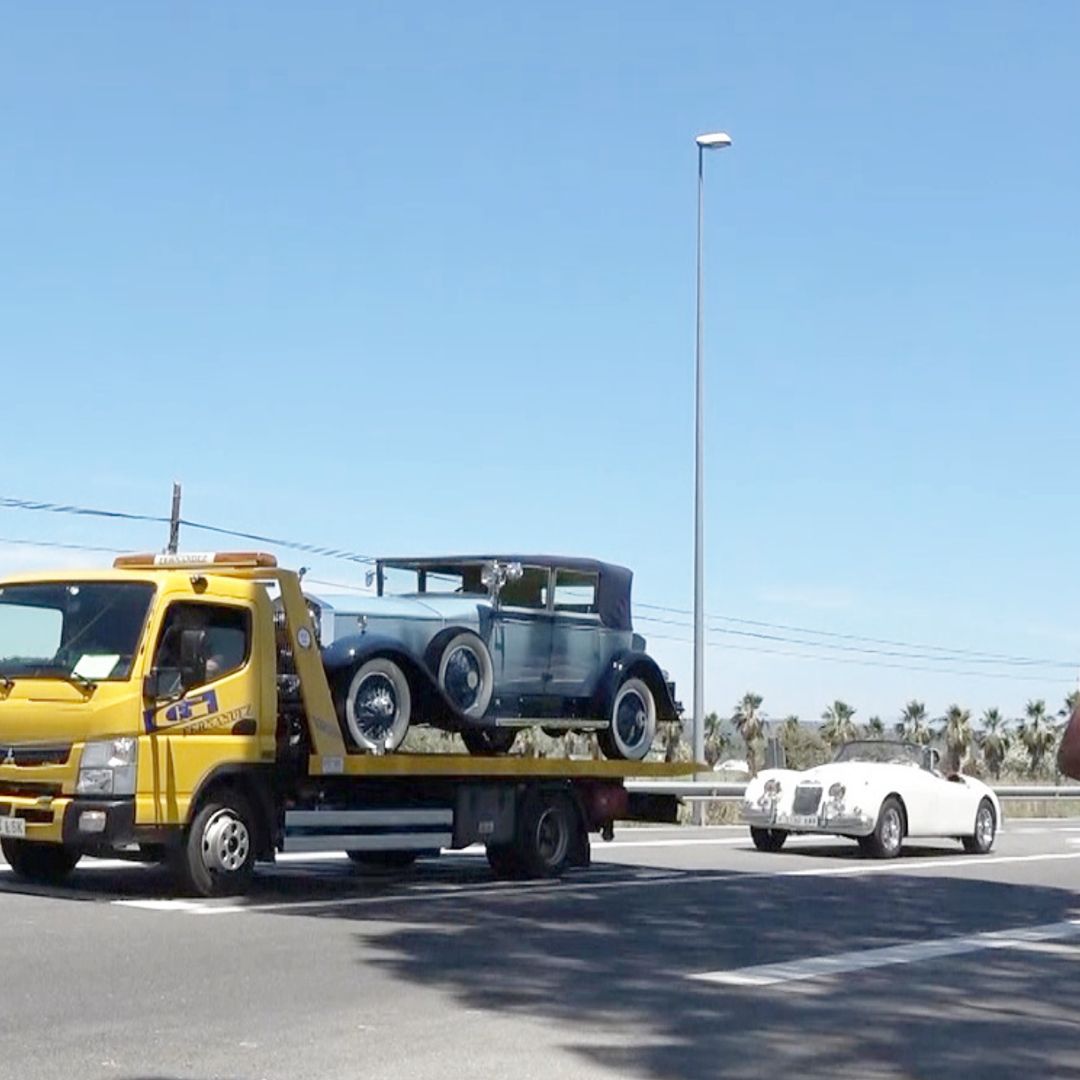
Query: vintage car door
(521, 634)
(577, 636)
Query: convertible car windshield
(883, 752)
(81, 630)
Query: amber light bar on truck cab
(194, 559)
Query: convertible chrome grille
(807, 797)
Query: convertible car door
(937, 806)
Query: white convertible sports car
(877, 792)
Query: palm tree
(956, 731)
(994, 740)
(839, 726)
(875, 728)
(716, 739)
(749, 722)
(1036, 733)
(913, 724)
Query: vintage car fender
(629, 664)
(431, 703)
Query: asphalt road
(678, 954)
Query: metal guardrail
(709, 790)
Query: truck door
(206, 699)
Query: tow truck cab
(170, 709)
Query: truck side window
(228, 638)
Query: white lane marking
(646, 879)
(819, 967)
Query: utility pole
(174, 520)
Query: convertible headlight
(837, 792)
(107, 767)
(772, 788)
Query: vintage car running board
(569, 724)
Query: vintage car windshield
(882, 751)
(87, 631)
(445, 580)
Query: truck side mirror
(192, 658)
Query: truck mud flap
(407, 829)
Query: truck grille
(30, 814)
(807, 797)
(28, 755)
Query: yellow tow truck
(184, 715)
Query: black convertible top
(612, 593)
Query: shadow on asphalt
(616, 960)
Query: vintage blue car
(488, 645)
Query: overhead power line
(945, 654)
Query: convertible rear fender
(430, 703)
(635, 665)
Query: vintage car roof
(613, 593)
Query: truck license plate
(13, 826)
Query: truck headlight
(107, 767)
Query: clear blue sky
(421, 279)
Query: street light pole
(715, 141)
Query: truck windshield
(82, 630)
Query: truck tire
(376, 862)
(466, 674)
(43, 864)
(632, 722)
(217, 854)
(547, 822)
(377, 705)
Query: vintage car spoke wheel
(982, 840)
(466, 673)
(45, 864)
(633, 722)
(488, 740)
(768, 839)
(378, 705)
(887, 838)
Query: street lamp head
(715, 140)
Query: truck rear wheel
(217, 856)
(546, 825)
(43, 864)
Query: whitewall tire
(633, 720)
(466, 674)
(378, 705)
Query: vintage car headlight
(837, 792)
(107, 767)
(772, 788)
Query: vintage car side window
(228, 640)
(575, 592)
(528, 591)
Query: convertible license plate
(13, 826)
(804, 821)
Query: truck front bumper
(74, 822)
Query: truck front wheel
(43, 864)
(217, 855)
